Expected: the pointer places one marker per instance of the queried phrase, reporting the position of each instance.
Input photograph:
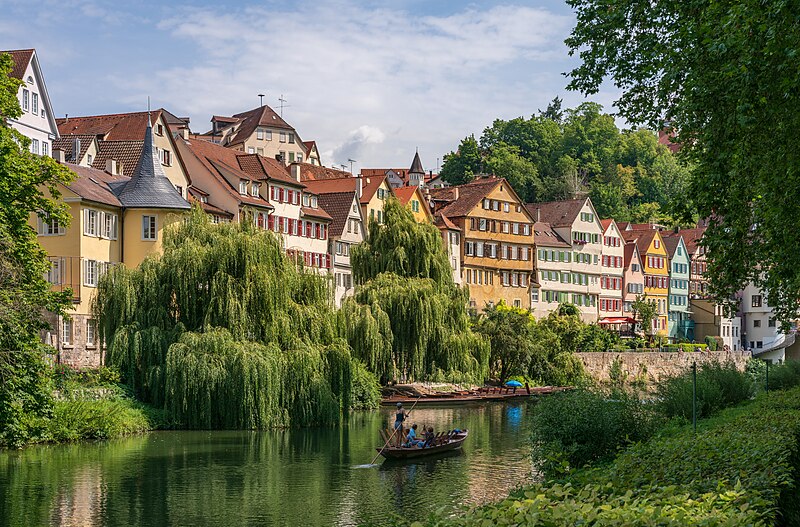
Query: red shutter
(270, 222)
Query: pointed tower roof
(149, 187)
(416, 165)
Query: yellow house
(655, 263)
(497, 244)
(412, 198)
(115, 219)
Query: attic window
(30, 80)
(159, 129)
(243, 187)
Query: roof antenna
(283, 105)
(261, 99)
(351, 164)
(149, 122)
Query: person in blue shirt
(411, 438)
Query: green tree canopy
(723, 76)
(464, 164)
(28, 187)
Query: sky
(370, 81)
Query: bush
(103, 419)
(572, 429)
(718, 386)
(739, 469)
(365, 392)
(783, 377)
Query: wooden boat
(444, 442)
(482, 395)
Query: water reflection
(288, 477)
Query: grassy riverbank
(739, 468)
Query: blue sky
(369, 80)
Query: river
(288, 477)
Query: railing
(65, 274)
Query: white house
(37, 121)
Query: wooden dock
(485, 394)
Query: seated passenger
(411, 438)
(430, 437)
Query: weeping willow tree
(408, 318)
(224, 331)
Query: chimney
(185, 133)
(111, 166)
(359, 186)
(538, 215)
(295, 168)
(76, 150)
(455, 193)
(58, 155)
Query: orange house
(655, 261)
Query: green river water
(289, 477)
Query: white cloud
(394, 80)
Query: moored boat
(444, 442)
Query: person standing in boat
(400, 416)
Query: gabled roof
(671, 243)
(315, 213)
(444, 223)
(642, 238)
(67, 142)
(252, 119)
(404, 194)
(95, 185)
(369, 186)
(310, 145)
(469, 196)
(557, 213)
(309, 172)
(262, 168)
(196, 195)
(125, 153)
(131, 126)
(692, 237)
(544, 235)
(338, 206)
(21, 58)
(606, 223)
(631, 253)
(148, 186)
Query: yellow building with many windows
(114, 219)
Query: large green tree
(28, 186)
(464, 164)
(723, 75)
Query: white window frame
(25, 96)
(149, 228)
(34, 103)
(243, 187)
(66, 332)
(91, 333)
(90, 273)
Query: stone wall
(654, 365)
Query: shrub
(711, 342)
(718, 386)
(575, 428)
(782, 377)
(103, 419)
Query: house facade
(451, 236)
(114, 220)
(553, 270)
(37, 121)
(262, 131)
(412, 198)
(497, 241)
(612, 262)
(633, 279)
(681, 327)
(655, 262)
(576, 222)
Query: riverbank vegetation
(739, 468)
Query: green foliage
(408, 318)
(711, 342)
(580, 427)
(739, 469)
(28, 186)
(557, 154)
(224, 331)
(103, 419)
(723, 75)
(509, 331)
(644, 311)
(782, 377)
(718, 386)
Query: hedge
(739, 469)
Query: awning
(617, 320)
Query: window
(291, 157)
(35, 103)
(66, 332)
(53, 275)
(90, 222)
(260, 151)
(260, 133)
(657, 244)
(25, 95)
(268, 135)
(291, 138)
(759, 344)
(91, 330)
(149, 231)
(45, 148)
(534, 295)
(506, 207)
(771, 322)
(756, 301)
(251, 150)
(166, 158)
(49, 227)
(90, 273)
(283, 137)
(254, 189)
(756, 323)
(109, 226)
(517, 302)
(415, 205)
(243, 187)
(34, 146)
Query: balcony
(65, 275)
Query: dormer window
(254, 189)
(313, 202)
(243, 187)
(305, 200)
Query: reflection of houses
(497, 258)
(115, 219)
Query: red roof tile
(556, 213)
(692, 237)
(112, 127)
(337, 205)
(21, 58)
(125, 153)
(404, 194)
(309, 172)
(443, 222)
(469, 196)
(314, 213)
(543, 234)
(95, 185)
(66, 143)
(252, 119)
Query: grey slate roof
(149, 187)
(416, 165)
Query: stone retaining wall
(651, 366)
